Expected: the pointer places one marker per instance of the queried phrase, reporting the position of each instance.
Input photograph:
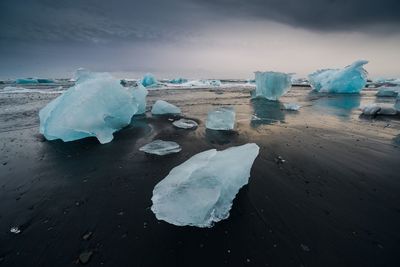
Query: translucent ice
(222, 118)
(163, 107)
(139, 94)
(351, 79)
(378, 109)
(200, 191)
(178, 81)
(26, 81)
(272, 85)
(161, 148)
(388, 91)
(397, 104)
(185, 124)
(148, 80)
(291, 106)
(96, 106)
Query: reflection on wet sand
(266, 112)
(340, 105)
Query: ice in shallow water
(272, 85)
(96, 106)
(148, 80)
(222, 118)
(162, 107)
(351, 79)
(185, 124)
(200, 191)
(291, 106)
(161, 148)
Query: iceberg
(162, 107)
(97, 105)
(178, 81)
(26, 81)
(185, 124)
(291, 106)
(222, 118)
(161, 148)
(200, 191)
(148, 80)
(378, 109)
(388, 91)
(351, 79)
(272, 85)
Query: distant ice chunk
(19, 90)
(96, 106)
(291, 106)
(178, 81)
(162, 107)
(185, 124)
(161, 148)
(26, 81)
(378, 109)
(351, 79)
(204, 83)
(388, 91)
(200, 191)
(148, 80)
(272, 85)
(222, 118)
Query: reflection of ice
(339, 105)
(266, 112)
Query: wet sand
(334, 201)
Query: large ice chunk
(162, 107)
(272, 85)
(161, 148)
(222, 118)
(96, 106)
(200, 191)
(351, 79)
(148, 80)
(139, 95)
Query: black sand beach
(324, 190)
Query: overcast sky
(197, 38)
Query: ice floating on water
(163, 107)
(378, 109)
(148, 80)
(19, 90)
(178, 81)
(388, 91)
(291, 106)
(222, 118)
(32, 81)
(200, 191)
(96, 106)
(161, 148)
(185, 124)
(351, 79)
(204, 83)
(272, 85)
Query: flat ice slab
(351, 79)
(162, 107)
(185, 124)
(161, 148)
(291, 106)
(378, 109)
(96, 106)
(272, 85)
(200, 191)
(222, 118)
(388, 91)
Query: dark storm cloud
(102, 21)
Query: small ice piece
(378, 109)
(163, 107)
(388, 91)
(148, 80)
(200, 191)
(351, 79)
(98, 105)
(178, 81)
(272, 85)
(161, 148)
(15, 230)
(222, 118)
(291, 106)
(26, 81)
(185, 124)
